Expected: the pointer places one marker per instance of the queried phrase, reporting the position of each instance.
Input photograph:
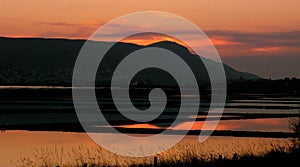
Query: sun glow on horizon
(145, 39)
(150, 38)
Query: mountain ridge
(51, 61)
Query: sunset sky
(261, 37)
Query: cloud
(81, 24)
(272, 54)
(60, 24)
(69, 30)
(268, 49)
(255, 44)
(228, 43)
(291, 38)
(218, 41)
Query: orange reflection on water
(146, 126)
(262, 124)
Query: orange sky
(63, 18)
(237, 28)
(79, 19)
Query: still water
(16, 144)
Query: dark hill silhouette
(38, 61)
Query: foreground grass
(276, 157)
(213, 152)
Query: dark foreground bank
(276, 157)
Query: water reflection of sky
(264, 124)
(20, 143)
(261, 124)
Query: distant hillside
(35, 61)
